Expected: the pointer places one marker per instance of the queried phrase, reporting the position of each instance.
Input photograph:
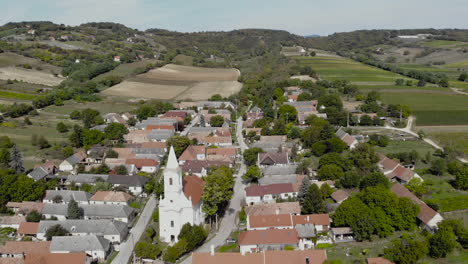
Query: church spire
(172, 162)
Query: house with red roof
(144, 165)
(270, 239)
(394, 171)
(351, 141)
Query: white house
(95, 246)
(182, 201)
(255, 194)
(69, 163)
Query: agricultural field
(340, 68)
(31, 71)
(125, 70)
(455, 137)
(432, 108)
(176, 82)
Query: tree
(251, 155)
(313, 201)
(357, 215)
(417, 186)
(330, 172)
(173, 253)
(406, 250)
(442, 243)
(349, 180)
(42, 142)
(57, 199)
(92, 137)
(303, 189)
(217, 121)
(294, 133)
(147, 250)
(374, 179)
(180, 143)
(5, 158)
(121, 170)
(34, 216)
(463, 77)
(101, 169)
(194, 235)
(76, 137)
(132, 121)
(438, 167)
(56, 230)
(456, 225)
(90, 117)
(67, 151)
(287, 113)
(16, 162)
(62, 128)
(461, 179)
(73, 210)
(253, 174)
(115, 131)
(326, 191)
(399, 82)
(217, 191)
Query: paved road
(228, 222)
(126, 248)
(187, 128)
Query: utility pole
(347, 120)
(401, 113)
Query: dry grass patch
(29, 76)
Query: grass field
(19, 96)
(441, 43)
(339, 68)
(183, 60)
(11, 59)
(406, 88)
(173, 82)
(432, 109)
(29, 76)
(442, 193)
(125, 70)
(400, 146)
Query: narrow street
(228, 222)
(127, 247)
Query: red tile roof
(26, 247)
(339, 196)
(425, 213)
(111, 196)
(315, 219)
(267, 237)
(273, 208)
(261, 190)
(139, 163)
(193, 188)
(28, 228)
(157, 145)
(196, 166)
(274, 220)
(264, 257)
(221, 151)
(49, 258)
(191, 153)
(273, 158)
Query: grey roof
(97, 227)
(99, 127)
(274, 179)
(74, 159)
(79, 243)
(91, 210)
(280, 170)
(202, 129)
(127, 180)
(86, 178)
(160, 134)
(38, 173)
(67, 195)
(214, 103)
(305, 231)
(268, 146)
(156, 121)
(149, 151)
(340, 133)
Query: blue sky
(302, 17)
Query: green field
(339, 68)
(19, 96)
(442, 193)
(125, 70)
(404, 87)
(455, 140)
(432, 108)
(442, 43)
(400, 146)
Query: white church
(182, 201)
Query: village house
(394, 171)
(318, 222)
(263, 257)
(52, 258)
(182, 201)
(271, 159)
(70, 163)
(291, 208)
(65, 196)
(20, 249)
(144, 165)
(351, 141)
(288, 171)
(90, 179)
(270, 239)
(43, 171)
(12, 221)
(156, 121)
(116, 58)
(428, 216)
(95, 246)
(24, 208)
(270, 143)
(111, 197)
(28, 229)
(342, 234)
(134, 184)
(206, 115)
(96, 155)
(254, 113)
(339, 196)
(116, 212)
(255, 130)
(200, 167)
(114, 231)
(255, 194)
(201, 153)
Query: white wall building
(182, 201)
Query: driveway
(126, 248)
(189, 126)
(228, 222)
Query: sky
(302, 17)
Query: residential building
(269, 193)
(43, 171)
(24, 207)
(351, 141)
(339, 196)
(117, 212)
(95, 246)
(182, 201)
(111, 197)
(428, 216)
(394, 171)
(12, 221)
(135, 184)
(52, 258)
(19, 249)
(271, 159)
(114, 231)
(270, 239)
(65, 196)
(200, 167)
(28, 229)
(263, 257)
(144, 165)
(293, 208)
(70, 163)
(319, 222)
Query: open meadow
(176, 82)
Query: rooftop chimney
(307, 260)
(212, 250)
(277, 211)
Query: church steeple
(172, 162)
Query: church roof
(172, 162)
(193, 187)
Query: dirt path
(459, 91)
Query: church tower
(172, 176)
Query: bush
(147, 250)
